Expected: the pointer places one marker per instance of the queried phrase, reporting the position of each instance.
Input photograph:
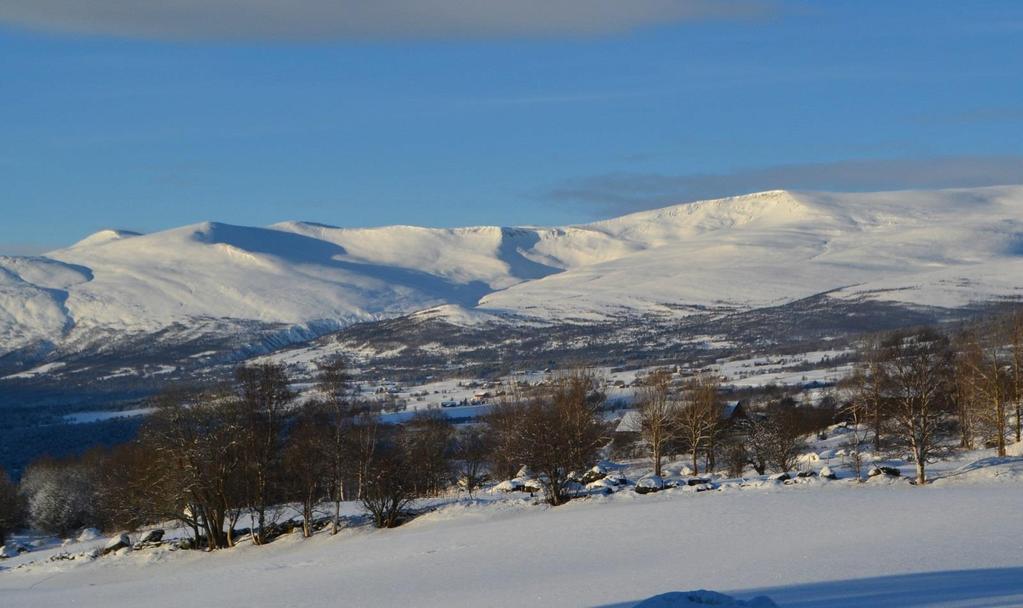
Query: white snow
(945, 248)
(37, 371)
(810, 545)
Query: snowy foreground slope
(941, 248)
(957, 542)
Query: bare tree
(1015, 332)
(773, 435)
(334, 385)
(426, 443)
(917, 365)
(855, 413)
(697, 415)
(131, 489)
(389, 483)
(736, 455)
(195, 456)
(362, 442)
(553, 430)
(991, 385)
(963, 395)
(264, 396)
(756, 435)
(472, 449)
(658, 416)
(868, 384)
(307, 453)
(11, 508)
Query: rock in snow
(88, 534)
(511, 485)
(117, 543)
(9, 550)
(152, 536)
(649, 483)
(680, 599)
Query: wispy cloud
(622, 192)
(362, 19)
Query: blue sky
(145, 126)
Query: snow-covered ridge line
(939, 248)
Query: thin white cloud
(361, 19)
(614, 193)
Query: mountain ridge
(937, 248)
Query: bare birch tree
(334, 385)
(697, 415)
(917, 367)
(553, 430)
(991, 385)
(264, 396)
(658, 416)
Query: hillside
(811, 544)
(947, 248)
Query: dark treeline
(228, 462)
(915, 393)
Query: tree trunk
(877, 429)
(1019, 421)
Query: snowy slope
(806, 546)
(943, 248)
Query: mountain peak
(105, 236)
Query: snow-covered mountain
(944, 248)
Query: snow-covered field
(818, 543)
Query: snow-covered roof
(630, 422)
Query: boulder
(697, 481)
(597, 472)
(88, 534)
(827, 473)
(616, 478)
(808, 458)
(532, 485)
(572, 487)
(601, 486)
(649, 483)
(780, 477)
(152, 536)
(885, 470)
(116, 543)
(10, 550)
(511, 485)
